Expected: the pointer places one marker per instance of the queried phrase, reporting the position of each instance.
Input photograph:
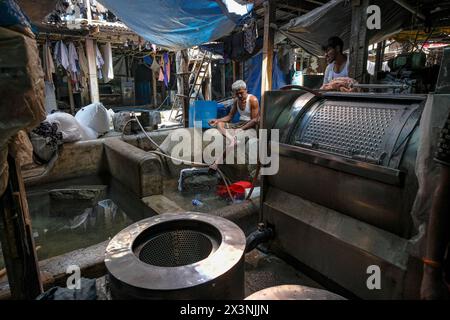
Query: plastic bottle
(197, 203)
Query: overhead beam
(286, 6)
(315, 2)
(408, 7)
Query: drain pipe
(261, 235)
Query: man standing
(336, 59)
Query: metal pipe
(314, 92)
(381, 86)
(408, 7)
(262, 235)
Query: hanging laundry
(155, 65)
(50, 97)
(99, 61)
(161, 69)
(166, 69)
(148, 60)
(250, 35)
(73, 59)
(82, 60)
(61, 55)
(49, 66)
(108, 68)
(120, 66)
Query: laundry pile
(89, 123)
(342, 84)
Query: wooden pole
(267, 59)
(234, 71)
(208, 91)
(182, 66)
(359, 41)
(17, 240)
(92, 64)
(223, 81)
(155, 92)
(88, 10)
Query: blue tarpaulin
(252, 75)
(11, 14)
(178, 24)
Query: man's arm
(227, 118)
(254, 111)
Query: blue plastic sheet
(11, 14)
(176, 24)
(252, 75)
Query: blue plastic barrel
(202, 111)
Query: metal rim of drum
(122, 253)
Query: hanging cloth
(82, 60)
(73, 59)
(99, 61)
(161, 69)
(108, 68)
(166, 69)
(61, 55)
(155, 65)
(250, 35)
(49, 66)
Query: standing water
(77, 214)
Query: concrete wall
(136, 169)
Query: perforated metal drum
(177, 256)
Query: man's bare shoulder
(253, 99)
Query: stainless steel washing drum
(293, 292)
(177, 256)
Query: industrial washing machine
(341, 203)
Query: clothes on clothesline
(48, 65)
(235, 48)
(73, 59)
(108, 68)
(164, 72)
(61, 55)
(82, 60)
(250, 31)
(155, 66)
(99, 61)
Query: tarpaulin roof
(178, 24)
(312, 30)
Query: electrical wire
(200, 164)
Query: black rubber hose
(257, 237)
